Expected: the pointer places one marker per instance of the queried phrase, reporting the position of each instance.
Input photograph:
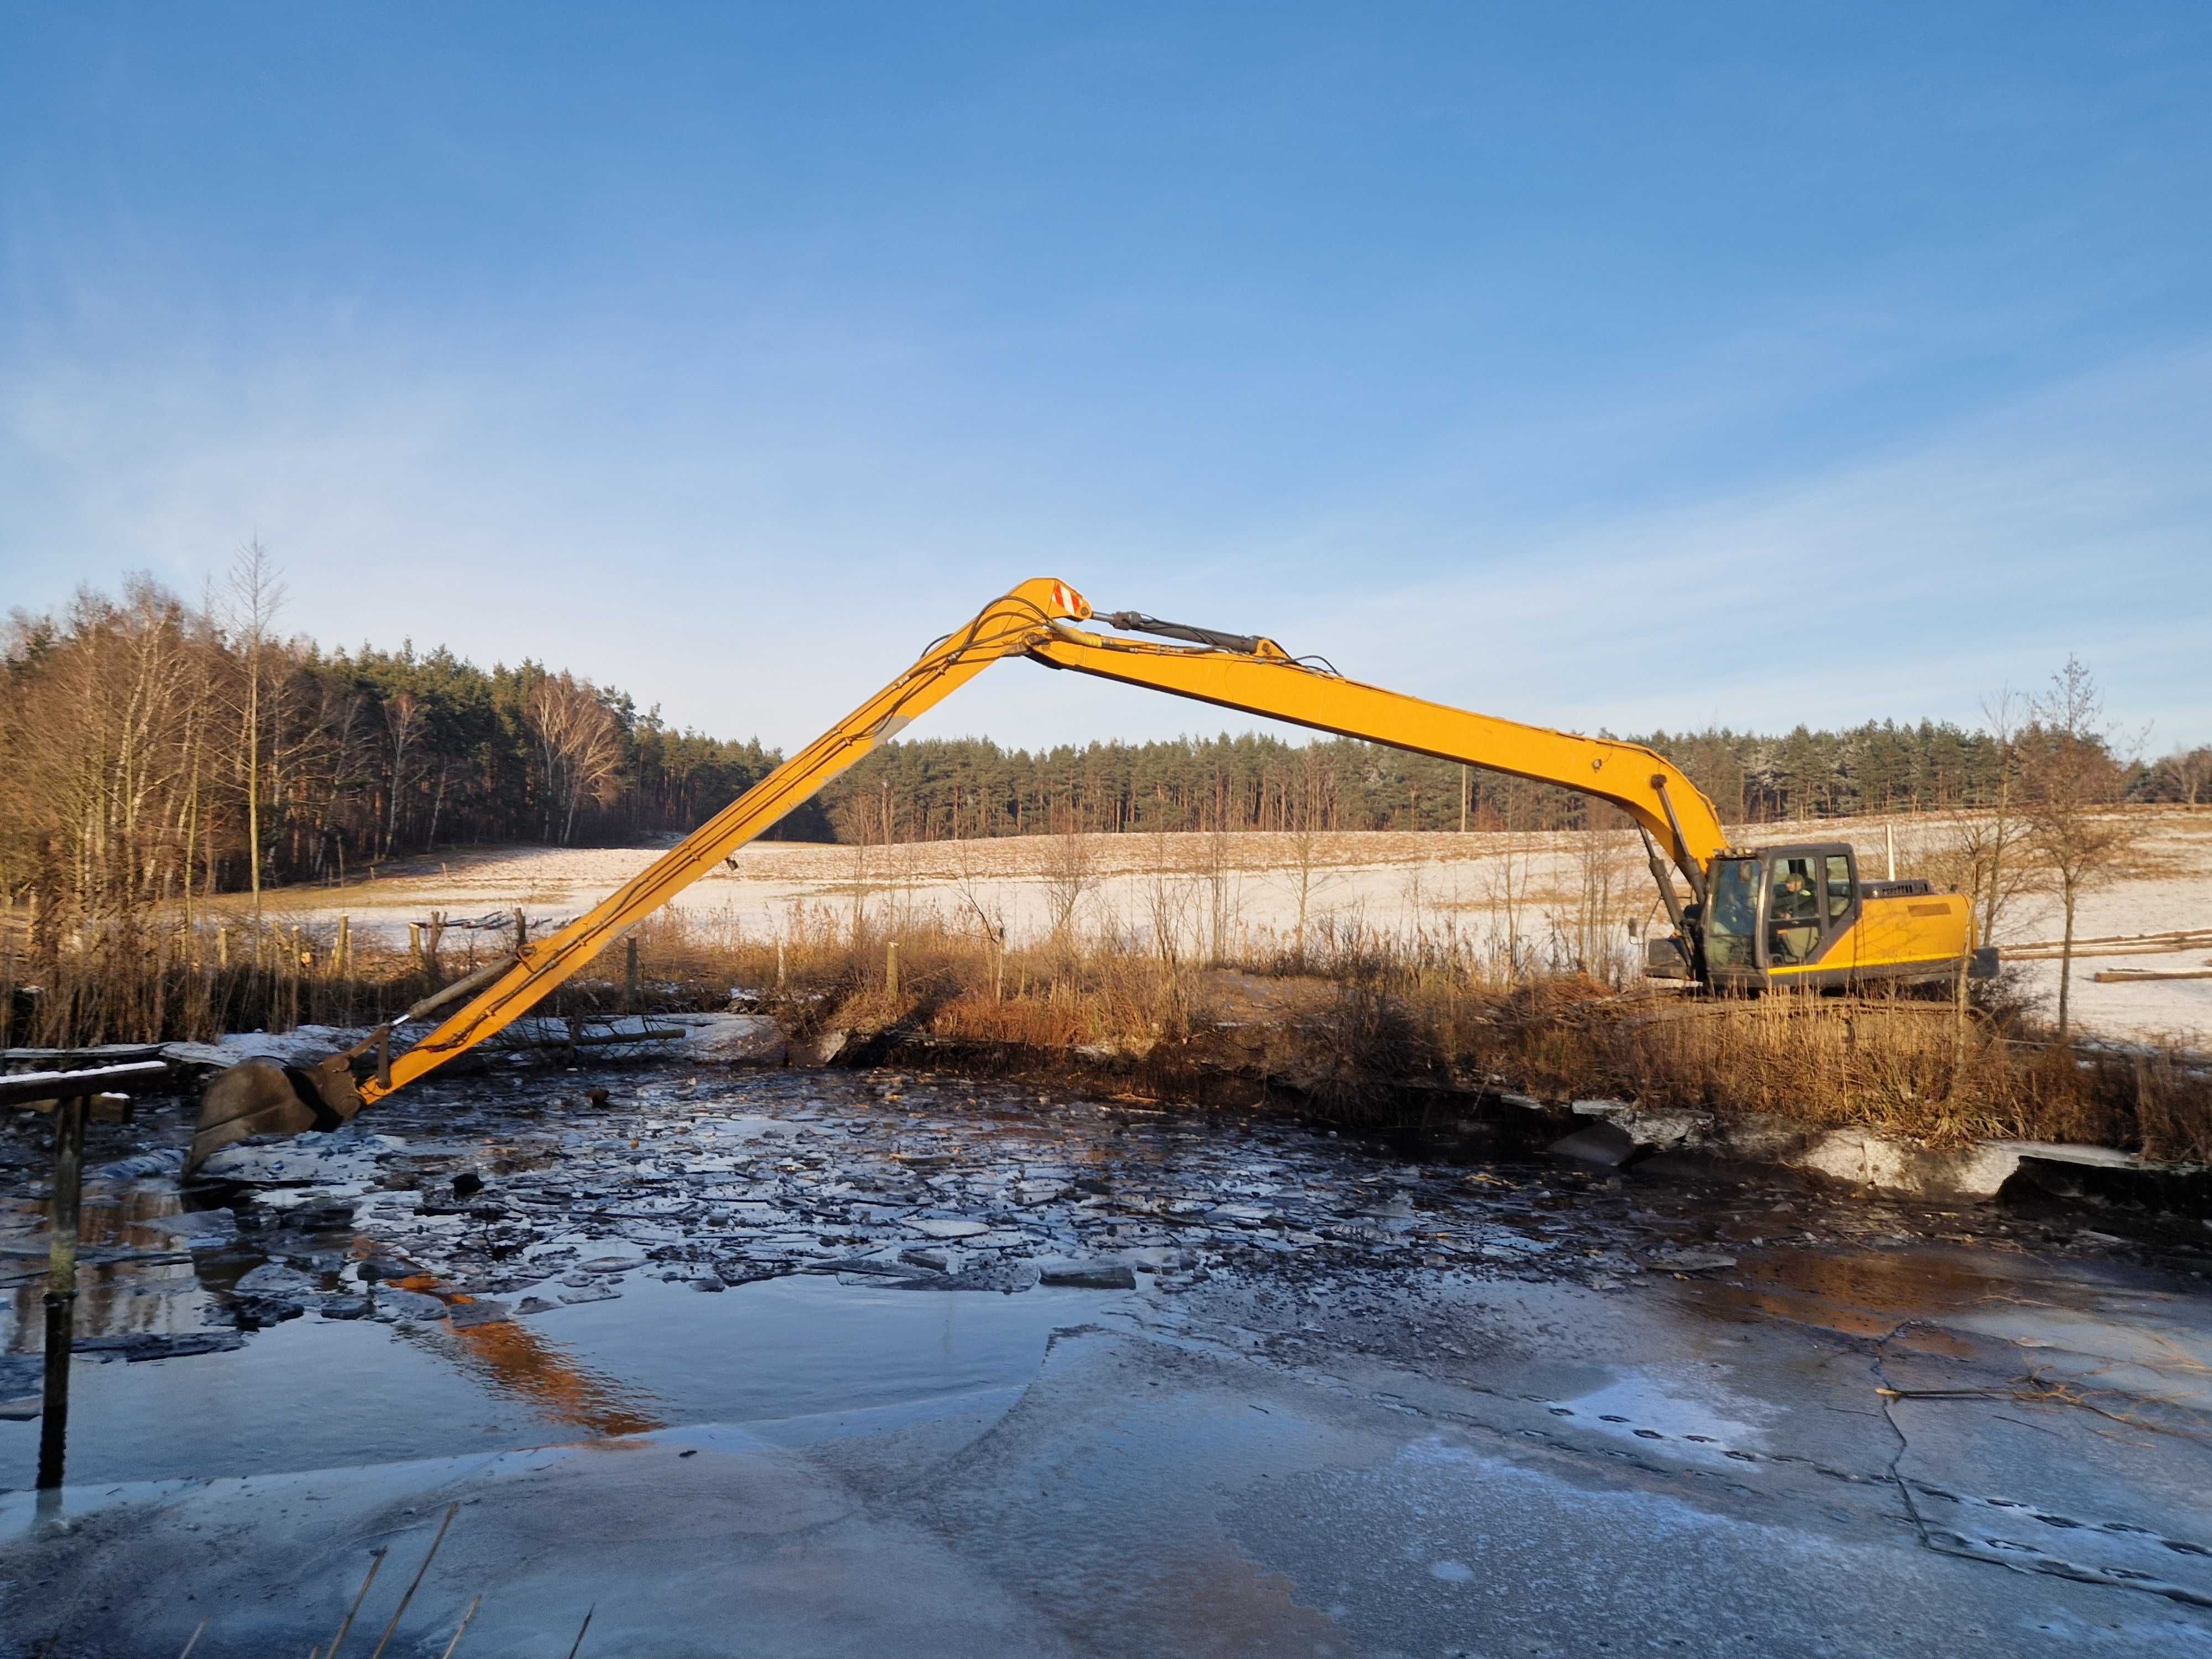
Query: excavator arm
(1265, 680)
(1245, 672)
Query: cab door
(1793, 931)
(1809, 902)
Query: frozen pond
(834, 1363)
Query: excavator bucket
(264, 1098)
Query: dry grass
(1348, 1030)
(1352, 1026)
(163, 981)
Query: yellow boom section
(1005, 627)
(1639, 780)
(1033, 620)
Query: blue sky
(1622, 366)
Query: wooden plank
(2130, 976)
(103, 1053)
(29, 1086)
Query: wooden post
(342, 959)
(779, 965)
(61, 1286)
(630, 972)
(415, 942)
(521, 931)
(71, 1097)
(1889, 845)
(891, 969)
(223, 947)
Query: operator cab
(1770, 907)
(1779, 907)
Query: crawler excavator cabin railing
(1248, 672)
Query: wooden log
(2111, 944)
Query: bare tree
(579, 745)
(968, 879)
(2002, 712)
(1506, 882)
(404, 717)
(256, 595)
(1166, 901)
(1981, 855)
(1069, 873)
(2194, 771)
(1590, 925)
(2073, 782)
(1218, 872)
(1309, 811)
(2183, 777)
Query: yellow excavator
(1754, 919)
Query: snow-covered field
(1484, 888)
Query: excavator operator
(1793, 913)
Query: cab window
(1793, 911)
(1840, 888)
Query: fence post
(61, 1286)
(342, 962)
(891, 969)
(779, 965)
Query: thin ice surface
(1355, 1404)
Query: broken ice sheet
(946, 1227)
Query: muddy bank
(1271, 1066)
